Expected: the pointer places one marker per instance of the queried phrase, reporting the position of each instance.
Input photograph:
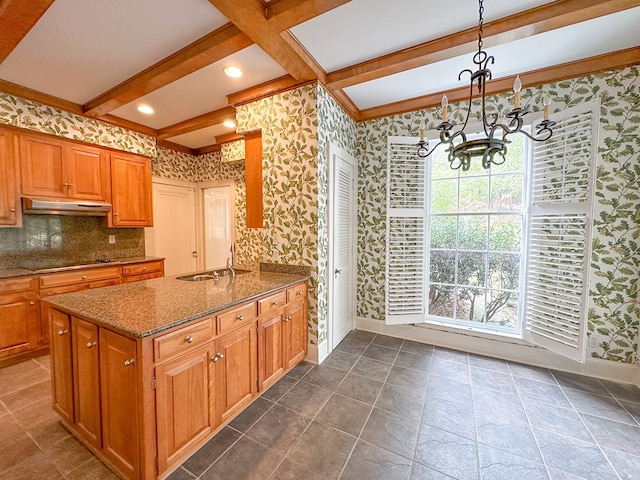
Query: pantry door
(343, 175)
(173, 235)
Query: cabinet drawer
(79, 276)
(18, 284)
(137, 278)
(296, 292)
(142, 268)
(183, 340)
(272, 302)
(236, 317)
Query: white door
(173, 235)
(218, 215)
(342, 243)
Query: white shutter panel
(405, 271)
(559, 234)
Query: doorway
(343, 177)
(218, 213)
(173, 235)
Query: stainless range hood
(65, 207)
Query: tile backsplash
(55, 240)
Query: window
(505, 250)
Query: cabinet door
(130, 191)
(19, 329)
(61, 371)
(86, 380)
(119, 397)
(235, 373)
(183, 399)
(271, 359)
(42, 167)
(295, 333)
(87, 173)
(9, 181)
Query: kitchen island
(146, 373)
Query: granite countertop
(148, 307)
(20, 272)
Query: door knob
(194, 253)
(338, 271)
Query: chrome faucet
(231, 260)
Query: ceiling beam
(203, 121)
(17, 17)
(214, 46)
(176, 146)
(587, 66)
(250, 17)
(285, 14)
(36, 96)
(544, 18)
(208, 149)
(267, 89)
(228, 137)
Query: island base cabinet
(184, 405)
(119, 402)
(235, 371)
(61, 365)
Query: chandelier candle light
(461, 150)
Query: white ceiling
(80, 49)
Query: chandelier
(492, 147)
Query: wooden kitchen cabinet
(61, 365)
(119, 402)
(9, 185)
(86, 383)
(184, 401)
(295, 329)
(53, 168)
(270, 350)
(236, 371)
(130, 191)
(19, 320)
(142, 271)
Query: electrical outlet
(593, 341)
(112, 239)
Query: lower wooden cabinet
(201, 375)
(19, 320)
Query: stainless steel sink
(211, 275)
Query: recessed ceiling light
(229, 123)
(146, 109)
(232, 71)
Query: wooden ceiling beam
(250, 17)
(285, 14)
(267, 89)
(176, 146)
(214, 46)
(208, 149)
(587, 66)
(544, 18)
(229, 137)
(17, 18)
(203, 121)
(36, 96)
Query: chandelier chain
(480, 23)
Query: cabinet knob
(287, 318)
(220, 355)
(115, 214)
(65, 184)
(129, 362)
(84, 277)
(32, 303)
(63, 332)
(91, 344)
(215, 358)
(274, 303)
(188, 339)
(12, 209)
(240, 317)
(144, 269)
(299, 292)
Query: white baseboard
(317, 353)
(517, 351)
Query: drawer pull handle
(63, 332)
(299, 292)
(287, 318)
(189, 339)
(32, 303)
(84, 277)
(129, 362)
(240, 317)
(144, 269)
(274, 303)
(91, 344)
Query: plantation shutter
(559, 234)
(405, 235)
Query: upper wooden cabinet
(61, 169)
(130, 191)
(8, 180)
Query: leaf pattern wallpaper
(22, 113)
(614, 311)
